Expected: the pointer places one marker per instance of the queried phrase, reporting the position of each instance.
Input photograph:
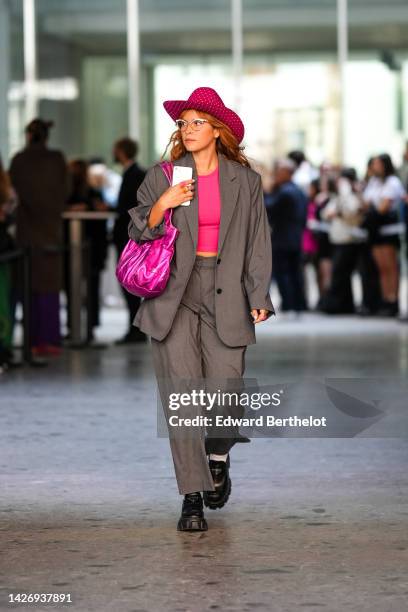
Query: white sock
(214, 457)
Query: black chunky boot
(389, 309)
(222, 482)
(192, 515)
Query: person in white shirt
(383, 195)
(403, 169)
(304, 173)
(343, 212)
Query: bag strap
(167, 168)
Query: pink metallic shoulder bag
(144, 269)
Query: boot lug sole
(194, 523)
(221, 502)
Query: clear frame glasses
(196, 124)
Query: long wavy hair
(226, 143)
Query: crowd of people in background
(325, 219)
(39, 186)
(338, 224)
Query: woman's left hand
(259, 315)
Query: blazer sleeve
(258, 260)
(146, 196)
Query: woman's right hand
(176, 195)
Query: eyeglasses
(196, 124)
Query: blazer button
(218, 261)
(219, 290)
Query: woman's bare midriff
(206, 253)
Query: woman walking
(218, 287)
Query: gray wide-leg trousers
(192, 350)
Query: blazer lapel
(190, 212)
(229, 189)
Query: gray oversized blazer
(244, 262)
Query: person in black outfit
(286, 207)
(125, 151)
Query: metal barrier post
(89, 297)
(75, 229)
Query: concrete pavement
(89, 504)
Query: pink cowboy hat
(206, 99)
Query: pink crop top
(209, 212)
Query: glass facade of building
(286, 86)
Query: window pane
(82, 69)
